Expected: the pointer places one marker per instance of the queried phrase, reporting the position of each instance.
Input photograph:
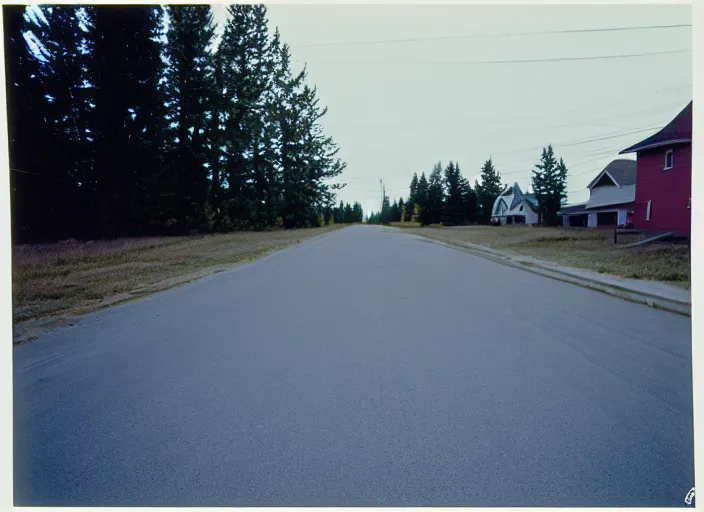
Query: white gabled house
(611, 198)
(515, 207)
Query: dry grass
(76, 277)
(581, 248)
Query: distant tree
(549, 184)
(416, 217)
(453, 212)
(357, 212)
(436, 195)
(410, 204)
(487, 191)
(469, 201)
(401, 210)
(394, 212)
(422, 200)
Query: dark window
(521, 208)
(669, 159)
(579, 221)
(606, 219)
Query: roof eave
(639, 147)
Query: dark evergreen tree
(469, 200)
(435, 195)
(189, 85)
(129, 115)
(487, 191)
(394, 212)
(421, 202)
(243, 54)
(453, 212)
(549, 180)
(410, 205)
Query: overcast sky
(398, 108)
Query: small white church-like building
(515, 207)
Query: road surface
(365, 367)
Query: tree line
(446, 196)
(134, 120)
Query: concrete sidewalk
(653, 293)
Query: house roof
(678, 131)
(513, 197)
(611, 196)
(531, 199)
(621, 171)
(573, 209)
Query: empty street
(366, 367)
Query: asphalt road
(365, 367)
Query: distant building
(611, 198)
(515, 207)
(664, 182)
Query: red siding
(668, 190)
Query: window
(649, 211)
(669, 159)
(689, 203)
(607, 218)
(521, 208)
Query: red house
(664, 178)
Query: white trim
(649, 210)
(598, 177)
(668, 153)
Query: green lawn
(589, 249)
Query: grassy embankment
(589, 249)
(72, 277)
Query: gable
(604, 181)
(501, 207)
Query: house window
(689, 203)
(521, 208)
(669, 159)
(649, 211)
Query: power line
(578, 141)
(479, 36)
(519, 61)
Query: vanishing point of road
(363, 367)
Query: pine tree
(189, 84)
(410, 205)
(469, 201)
(435, 195)
(488, 190)
(549, 180)
(244, 57)
(31, 194)
(401, 210)
(128, 115)
(422, 201)
(453, 211)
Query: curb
(654, 301)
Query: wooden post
(615, 235)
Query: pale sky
(398, 108)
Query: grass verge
(589, 249)
(50, 281)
